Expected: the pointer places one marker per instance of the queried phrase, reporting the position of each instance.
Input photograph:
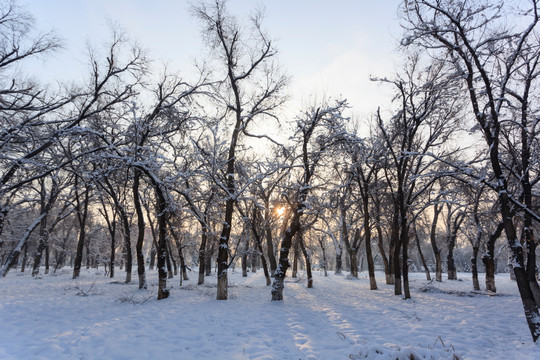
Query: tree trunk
(353, 258)
(13, 257)
(369, 255)
(422, 258)
(269, 240)
(82, 213)
(169, 257)
(339, 263)
(433, 239)
(208, 261)
(254, 261)
(113, 253)
(45, 206)
(245, 257)
(324, 261)
(296, 254)
(127, 244)
(489, 258)
(202, 254)
(140, 232)
(42, 245)
(283, 264)
(47, 265)
(390, 276)
(452, 274)
(307, 258)
(396, 246)
(153, 231)
(388, 272)
(474, 268)
(162, 213)
(25, 257)
(258, 243)
(153, 254)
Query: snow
(95, 317)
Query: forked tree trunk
(283, 264)
(489, 258)
(454, 227)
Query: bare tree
(427, 117)
(251, 90)
(319, 131)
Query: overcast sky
(328, 48)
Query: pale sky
(328, 48)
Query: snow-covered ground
(54, 317)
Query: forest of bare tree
(134, 170)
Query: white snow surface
(95, 317)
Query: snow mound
(394, 352)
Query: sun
(280, 210)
